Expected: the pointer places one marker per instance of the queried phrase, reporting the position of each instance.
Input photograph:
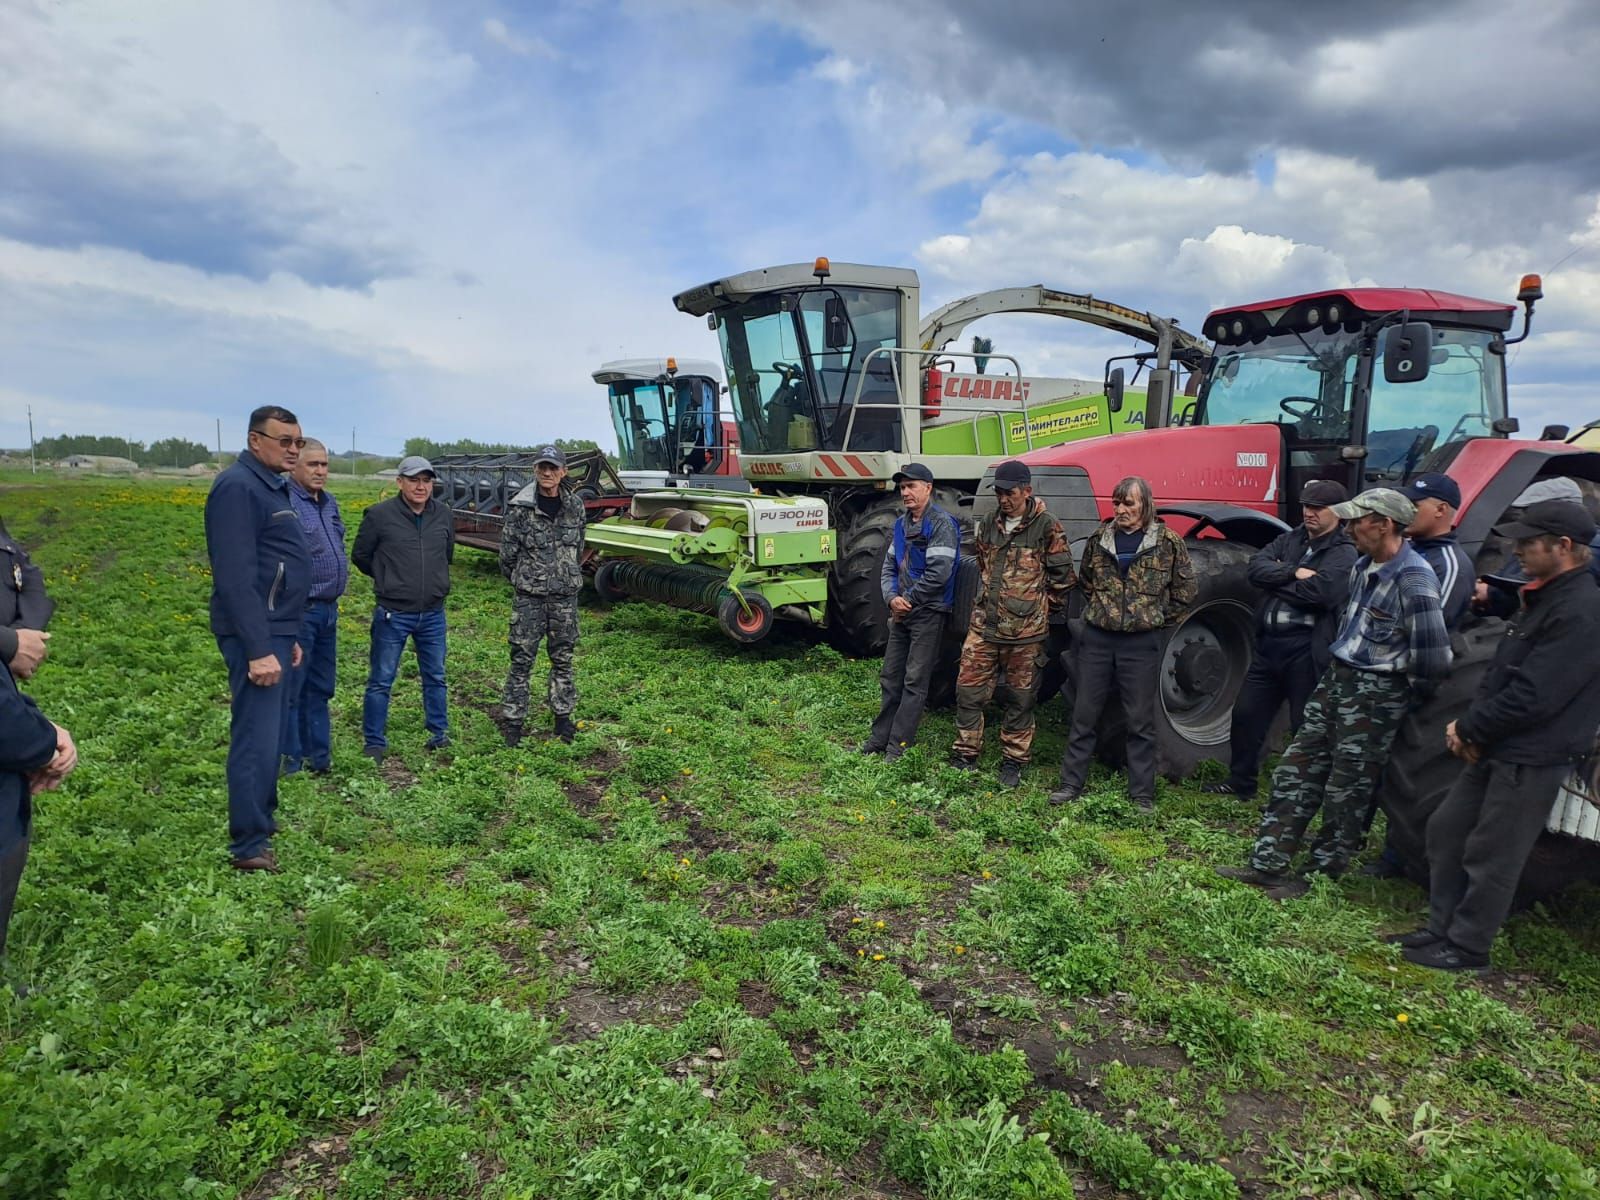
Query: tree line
(168, 452)
(429, 448)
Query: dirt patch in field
(757, 999)
(396, 774)
(588, 1011)
(309, 1169)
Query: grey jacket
(408, 555)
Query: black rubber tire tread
(603, 586)
(1421, 771)
(730, 614)
(857, 615)
(1219, 571)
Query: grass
(704, 951)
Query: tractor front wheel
(741, 625)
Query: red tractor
(1366, 386)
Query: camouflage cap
(1386, 502)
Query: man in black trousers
(1305, 577)
(1532, 719)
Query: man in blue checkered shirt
(1391, 651)
(307, 738)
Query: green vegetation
(429, 448)
(705, 951)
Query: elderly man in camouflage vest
(1025, 566)
(540, 548)
(1136, 579)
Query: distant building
(103, 463)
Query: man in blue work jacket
(307, 731)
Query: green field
(706, 951)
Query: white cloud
(526, 47)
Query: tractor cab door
(1461, 397)
(697, 426)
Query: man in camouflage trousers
(1391, 651)
(1025, 567)
(540, 548)
(1136, 579)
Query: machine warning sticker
(1053, 425)
(1250, 459)
(769, 547)
(827, 544)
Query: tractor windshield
(1304, 382)
(794, 362)
(661, 425)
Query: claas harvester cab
(835, 384)
(1365, 386)
(669, 422)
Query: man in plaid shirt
(1391, 652)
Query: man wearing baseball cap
(1532, 719)
(1390, 651)
(1433, 535)
(1304, 576)
(1025, 572)
(541, 549)
(407, 544)
(918, 578)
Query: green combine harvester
(835, 386)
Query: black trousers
(1281, 670)
(1131, 661)
(1479, 839)
(908, 663)
(12, 863)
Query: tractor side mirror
(836, 324)
(1408, 352)
(1115, 386)
(1555, 433)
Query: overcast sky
(437, 219)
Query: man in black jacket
(35, 756)
(406, 544)
(1533, 718)
(260, 577)
(1305, 577)
(25, 609)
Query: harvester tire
(741, 626)
(1203, 663)
(942, 692)
(603, 587)
(1421, 771)
(857, 615)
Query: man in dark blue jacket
(307, 730)
(1433, 535)
(25, 609)
(260, 577)
(918, 578)
(1531, 721)
(35, 756)
(1304, 576)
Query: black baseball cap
(1323, 493)
(550, 454)
(1431, 485)
(1559, 518)
(914, 471)
(1012, 474)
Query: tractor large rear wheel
(1421, 771)
(1203, 664)
(857, 615)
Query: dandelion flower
(877, 958)
(855, 920)
(861, 953)
(878, 925)
(960, 949)
(1402, 1018)
(988, 875)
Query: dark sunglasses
(285, 441)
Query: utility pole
(219, 443)
(352, 452)
(33, 459)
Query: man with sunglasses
(1391, 652)
(1304, 577)
(260, 578)
(407, 544)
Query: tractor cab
(667, 420)
(798, 343)
(1362, 383)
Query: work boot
(1064, 795)
(565, 729)
(1414, 939)
(375, 753)
(1143, 803)
(1224, 788)
(893, 752)
(1442, 955)
(964, 762)
(512, 732)
(439, 741)
(1255, 878)
(1382, 868)
(1010, 773)
(870, 748)
(1292, 890)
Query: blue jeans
(390, 630)
(307, 730)
(253, 741)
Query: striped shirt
(1393, 622)
(324, 529)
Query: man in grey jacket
(406, 544)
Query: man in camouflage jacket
(540, 548)
(1136, 579)
(1025, 566)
